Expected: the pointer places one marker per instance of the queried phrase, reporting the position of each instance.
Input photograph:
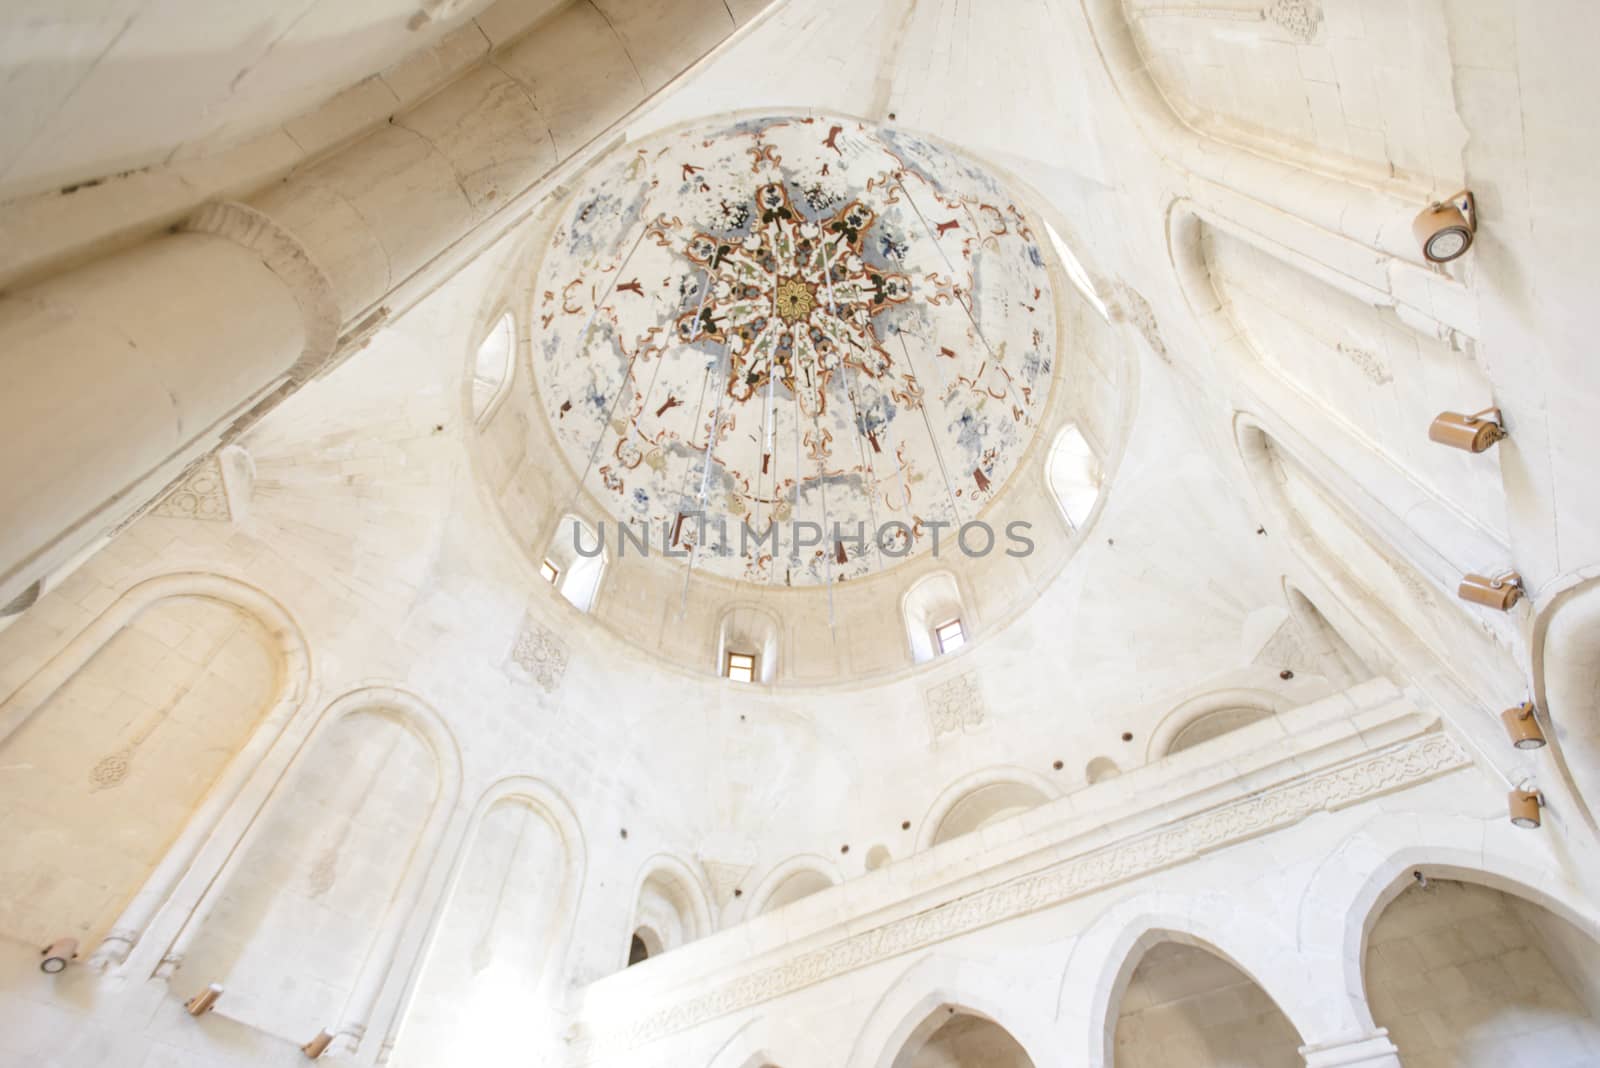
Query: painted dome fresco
(793, 321)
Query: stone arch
(294, 665)
(919, 999)
(984, 796)
(668, 889)
(1171, 730)
(549, 805)
(1565, 651)
(769, 1042)
(792, 880)
(380, 961)
(1372, 866)
(1103, 959)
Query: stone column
(1370, 1050)
(119, 375)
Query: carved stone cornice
(1386, 770)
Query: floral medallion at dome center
(794, 319)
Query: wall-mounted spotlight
(1445, 228)
(57, 955)
(1499, 592)
(317, 1046)
(1469, 433)
(203, 1002)
(1523, 727)
(1525, 805)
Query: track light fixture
(1445, 228)
(1523, 727)
(1525, 805)
(317, 1046)
(57, 955)
(203, 1002)
(1469, 433)
(1499, 592)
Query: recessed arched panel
(103, 775)
(495, 941)
(309, 904)
(1505, 973)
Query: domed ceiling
(789, 321)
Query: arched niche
(578, 557)
(1200, 719)
(1463, 974)
(1179, 999)
(303, 926)
(1100, 769)
(1074, 474)
(671, 909)
(794, 879)
(933, 602)
(982, 800)
(493, 367)
(500, 935)
(127, 747)
(954, 1038)
(752, 631)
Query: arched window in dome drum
(1074, 474)
(491, 368)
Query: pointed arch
(770, 1042)
(1373, 865)
(668, 894)
(926, 992)
(1104, 957)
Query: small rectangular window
(741, 667)
(549, 572)
(951, 636)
